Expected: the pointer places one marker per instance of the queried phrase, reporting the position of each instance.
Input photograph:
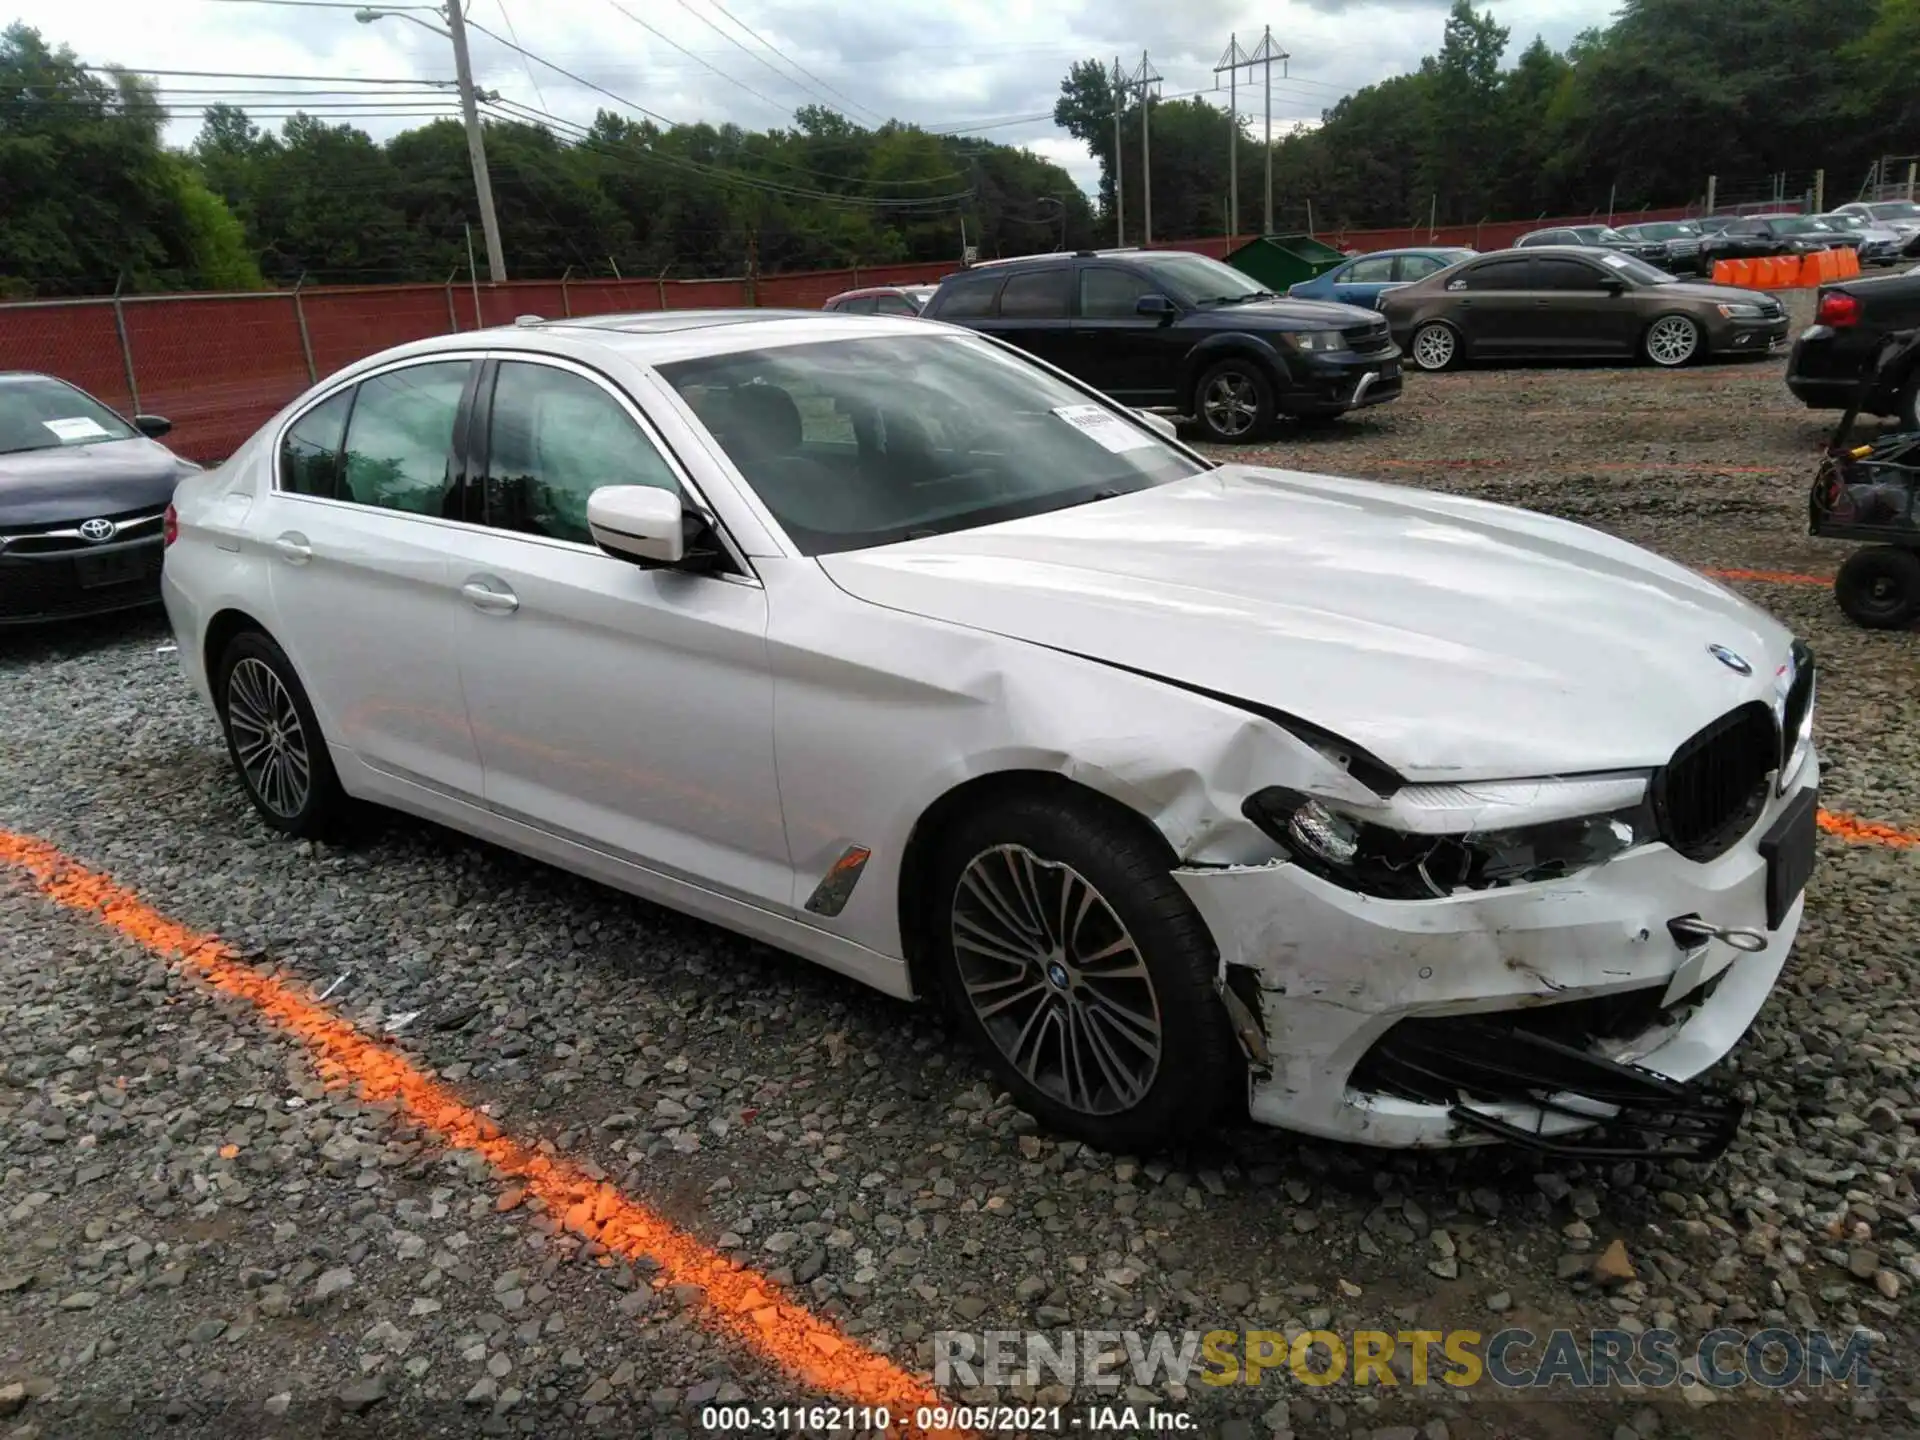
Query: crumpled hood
(1451, 638)
(78, 482)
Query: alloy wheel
(1231, 404)
(1433, 348)
(1672, 340)
(1056, 980)
(268, 738)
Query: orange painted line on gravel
(736, 1300)
(1770, 577)
(1867, 832)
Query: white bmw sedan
(1383, 815)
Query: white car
(1394, 816)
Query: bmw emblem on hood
(98, 530)
(1733, 661)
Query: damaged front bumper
(1528, 1014)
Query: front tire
(274, 740)
(1672, 341)
(1879, 587)
(1234, 403)
(1435, 347)
(1082, 971)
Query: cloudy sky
(992, 66)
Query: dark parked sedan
(1576, 304)
(83, 500)
(1676, 244)
(1765, 237)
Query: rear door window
(1496, 275)
(310, 451)
(969, 296)
(400, 439)
(1037, 295)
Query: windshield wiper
(1250, 295)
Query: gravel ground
(201, 1238)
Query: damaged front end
(1548, 963)
(1547, 1060)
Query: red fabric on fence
(219, 366)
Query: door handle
(483, 596)
(293, 546)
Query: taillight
(1837, 308)
(170, 527)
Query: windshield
(1199, 281)
(40, 413)
(1666, 230)
(1638, 272)
(856, 443)
(1800, 225)
(1895, 210)
(1845, 222)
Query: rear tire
(274, 740)
(1879, 587)
(1233, 402)
(1435, 346)
(1102, 1022)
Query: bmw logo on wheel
(98, 530)
(1732, 660)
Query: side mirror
(638, 522)
(1613, 286)
(1160, 423)
(1159, 306)
(152, 426)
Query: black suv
(1171, 330)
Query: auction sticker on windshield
(80, 427)
(1104, 428)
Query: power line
(256, 75)
(525, 64)
(649, 113)
(754, 56)
(741, 84)
(582, 135)
(791, 61)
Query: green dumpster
(1278, 261)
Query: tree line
(1642, 111)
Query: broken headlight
(1408, 861)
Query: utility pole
(1232, 61)
(456, 31)
(1143, 80)
(1119, 202)
(476, 143)
(1265, 55)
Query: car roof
(21, 376)
(1050, 257)
(660, 337)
